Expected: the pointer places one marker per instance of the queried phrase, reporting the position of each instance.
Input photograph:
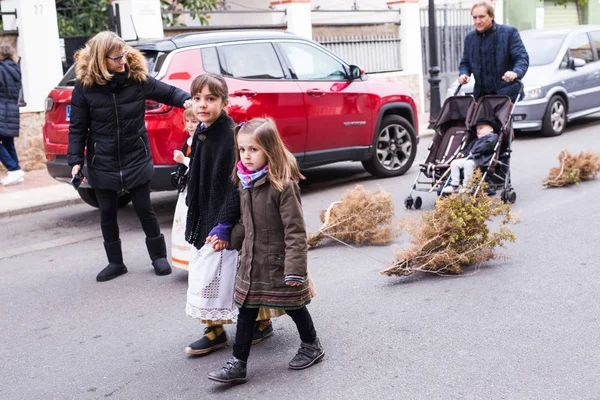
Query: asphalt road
(524, 327)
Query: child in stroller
(476, 154)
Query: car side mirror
(355, 72)
(577, 63)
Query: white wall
(38, 46)
(328, 18)
(140, 19)
(317, 18)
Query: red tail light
(49, 104)
(154, 107)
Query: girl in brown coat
(272, 238)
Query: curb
(425, 132)
(37, 199)
(40, 207)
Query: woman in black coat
(107, 118)
(10, 84)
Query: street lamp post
(434, 69)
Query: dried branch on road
(361, 217)
(573, 169)
(454, 235)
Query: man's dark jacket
(108, 121)
(489, 55)
(10, 85)
(482, 149)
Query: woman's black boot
(158, 254)
(115, 265)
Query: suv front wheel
(395, 148)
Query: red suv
(326, 110)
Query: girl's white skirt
(211, 282)
(180, 249)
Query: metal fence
(453, 24)
(373, 53)
(77, 24)
(83, 21)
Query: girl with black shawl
(213, 208)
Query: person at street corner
(10, 84)
(494, 54)
(107, 120)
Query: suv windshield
(155, 60)
(542, 50)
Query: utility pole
(434, 69)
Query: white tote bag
(211, 282)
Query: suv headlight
(532, 92)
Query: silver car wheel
(557, 116)
(393, 147)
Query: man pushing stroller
(476, 154)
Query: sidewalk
(39, 192)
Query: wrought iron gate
(77, 24)
(453, 24)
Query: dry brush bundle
(454, 235)
(362, 216)
(573, 169)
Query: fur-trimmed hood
(136, 63)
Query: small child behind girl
(272, 235)
(180, 249)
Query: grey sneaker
(234, 371)
(308, 354)
(450, 189)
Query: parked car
(563, 80)
(326, 110)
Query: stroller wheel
(408, 202)
(508, 196)
(418, 202)
(511, 197)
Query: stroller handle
(521, 90)
(518, 80)
(457, 90)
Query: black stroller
(454, 129)
(451, 129)
(497, 172)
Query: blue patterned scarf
(247, 177)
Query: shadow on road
(579, 123)
(330, 176)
